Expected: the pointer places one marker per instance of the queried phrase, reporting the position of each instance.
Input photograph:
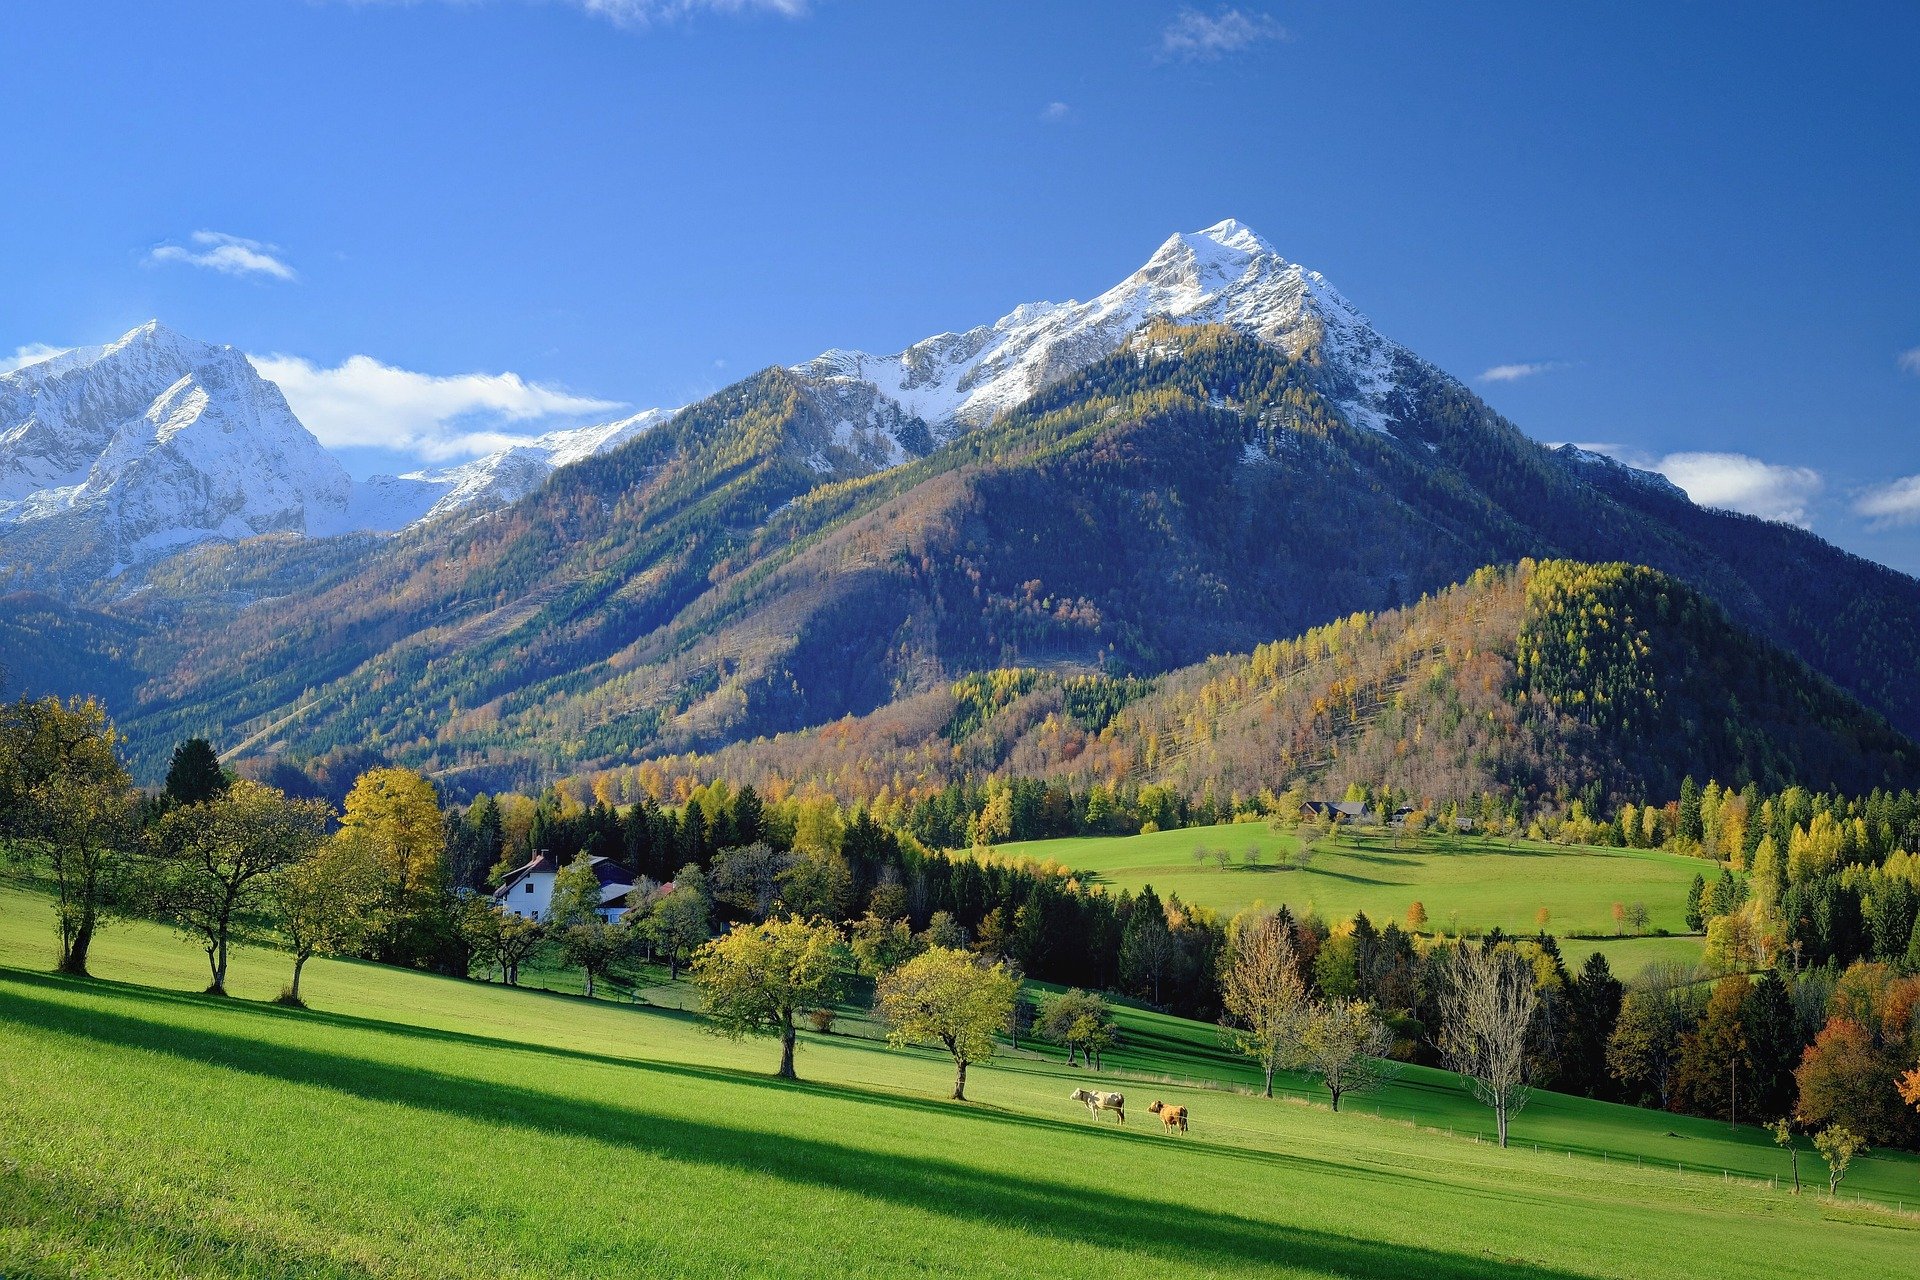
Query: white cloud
(1515, 372)
(232, 255)
(1736, 482)
(642, 12)
(1910, 361)
(366, 403)
(1895, 503)
(32, 353)
(1055, 112)
(1193, 36)
(636, 14)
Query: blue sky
(1688, 231)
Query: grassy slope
(1487, 882)
(426, 1127)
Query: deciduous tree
(1079, 1022)
(1487, 1001)
(758, 978)
(1346, 1046)
(1837, 1145)
(324, 904)
(212, 857)
(1265, 996)
(65, 801)
(952, 997)
(395, 815)
(681, 919)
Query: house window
(529, 886)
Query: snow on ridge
(390, 503)
(1224, 274)
(155, 440)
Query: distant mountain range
(1216, 453)
(115, 456)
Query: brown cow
(1175, 1118)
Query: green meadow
(1468, 883)
(412, 1125)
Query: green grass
(420, 1126)
(1470, 882)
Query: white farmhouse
(528, 890)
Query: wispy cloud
(32, 353)
(1909, 360)
(231, 255)
(1515, 372)
(1055, 112)
(643, 12)
(1892, 504)
(363, 402)
(639, 14)
(1194, 36)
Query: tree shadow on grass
(943, 1187)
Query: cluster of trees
(1805, 1031)
(1821, 1048)
(222, 859)
(1806, 878)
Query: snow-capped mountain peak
(119, 452)
(1224, 274)
(394, 502)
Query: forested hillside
(744, 569)
(1545, 682)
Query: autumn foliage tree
(955, 998)
(759, 978)
(1265, 997)
(394, 816)
(66, 803)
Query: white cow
(1098, 1102)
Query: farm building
(528, 890)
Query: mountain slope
(469, 618)
(738, 572)
(1544, 681)
(113, 456)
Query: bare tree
(1265, 995)
(1486, 1007)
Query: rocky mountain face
(112, 456)
(115, 457)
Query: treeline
(1806, 878)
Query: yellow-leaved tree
(393, 819)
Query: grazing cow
(1098, 1102)
(1175, 1118)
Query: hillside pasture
(1472, 883)
(415, 1126)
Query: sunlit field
(419, 1126)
